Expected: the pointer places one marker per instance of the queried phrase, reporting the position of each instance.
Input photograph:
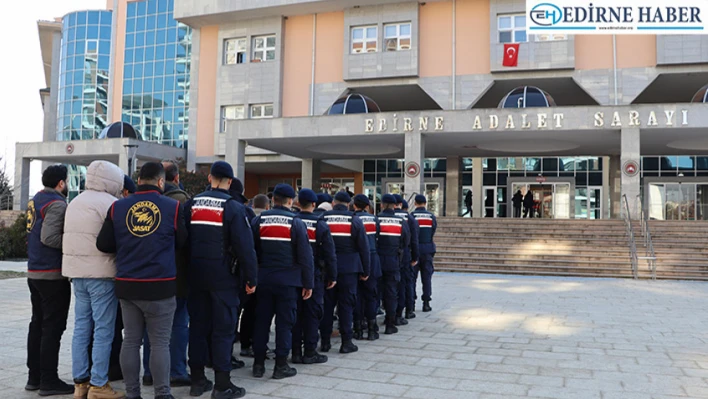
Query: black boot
(312, 357)
(400, 321)
(410, 314)
(282, 369)
(57, 387)
(224, 389)
(297, 355)
(348, 347)
(390, 325)
(259, 367)
(358, 334)
(373, 334)
(236, 364)
(200, 386)
(326, 344)
(426, 306)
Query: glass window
(263, 48)
(512, 28)
(397, 37)
(365, 39)
(260, 111)
(235, 51)
(230, 113)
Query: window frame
(364, 40)
(513, 29)
(398, 37)
(262, 114)
(236, 51)
(263, 51)
(225, 120)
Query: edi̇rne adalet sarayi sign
(602, 17)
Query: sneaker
(32, 385)
(200, 387)
(258, 370)
(81, 390)
(57, 387)
(284, 371)
(233, 392)
(105, 392)
(147, 380)
(181, 381)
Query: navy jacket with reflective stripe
(350, 241)
(428, 225)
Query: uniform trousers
(279, 301)
(406, 293)
(343, 295)
(212, 325)
(248, 321)
(309, 316)
(390, 279)
(366, 303)
(426, 275)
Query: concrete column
(631, 184)
(123, 163)
(614, 171)
(236, 156)
(605, 187)
(311, 174)
(414, 153)
(477, 188)
(453, 186)
(22, 182)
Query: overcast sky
(21, 73)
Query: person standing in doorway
(468, 204)
(528, 204)
(517, 200)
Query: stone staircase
(588, 248)
(681, 249)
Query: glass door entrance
(550, 200)
(434, 193)
(678, 201)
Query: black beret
(284, 190)
(222, 169)
(307, 195)
(342, 196)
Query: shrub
(13, 239)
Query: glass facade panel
(83, 83)
(158, 58)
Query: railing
(650, 255)
(630, 236)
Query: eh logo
(31, 216)
(143, 219)
(546, 14)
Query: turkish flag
(511, 55)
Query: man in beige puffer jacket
(92, 273)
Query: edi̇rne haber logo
(618, 17)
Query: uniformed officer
(409, 260)
(367, 299)
(286, 272)
(321, 199)
(353, 265)
(310, 312)
(219, 234)
(393, 241)
(428, 224)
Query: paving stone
(493, 387)
(429, 393)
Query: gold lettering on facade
(525, 124)
(407, 125)
(634, 118)
(669, 118)
(616, 121)
(685, 117)
(382, 125)
(493, 121)
(395, 123)
(599, 119)
(542, 121)
(439, 123)
(510, 122)
(477, 123)
(652, 119)
(423, 125)
(558, 118)
(369, 126)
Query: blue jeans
(95, 308)
(178, 343)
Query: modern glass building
(83, 80)
(156, 73)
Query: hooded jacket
(84, 219)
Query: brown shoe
(81, 390)
(105, 392)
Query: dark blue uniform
(352, 249)
(285, 266)
(428, 224)
(368, 290)
(406, 294)
(219, 238)
(311, 311)
(394, 238)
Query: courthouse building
(382, 96)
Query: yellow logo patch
(143, 218)
(31, 217)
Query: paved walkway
(487, 337)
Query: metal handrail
(630, 236)
(650, 255)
